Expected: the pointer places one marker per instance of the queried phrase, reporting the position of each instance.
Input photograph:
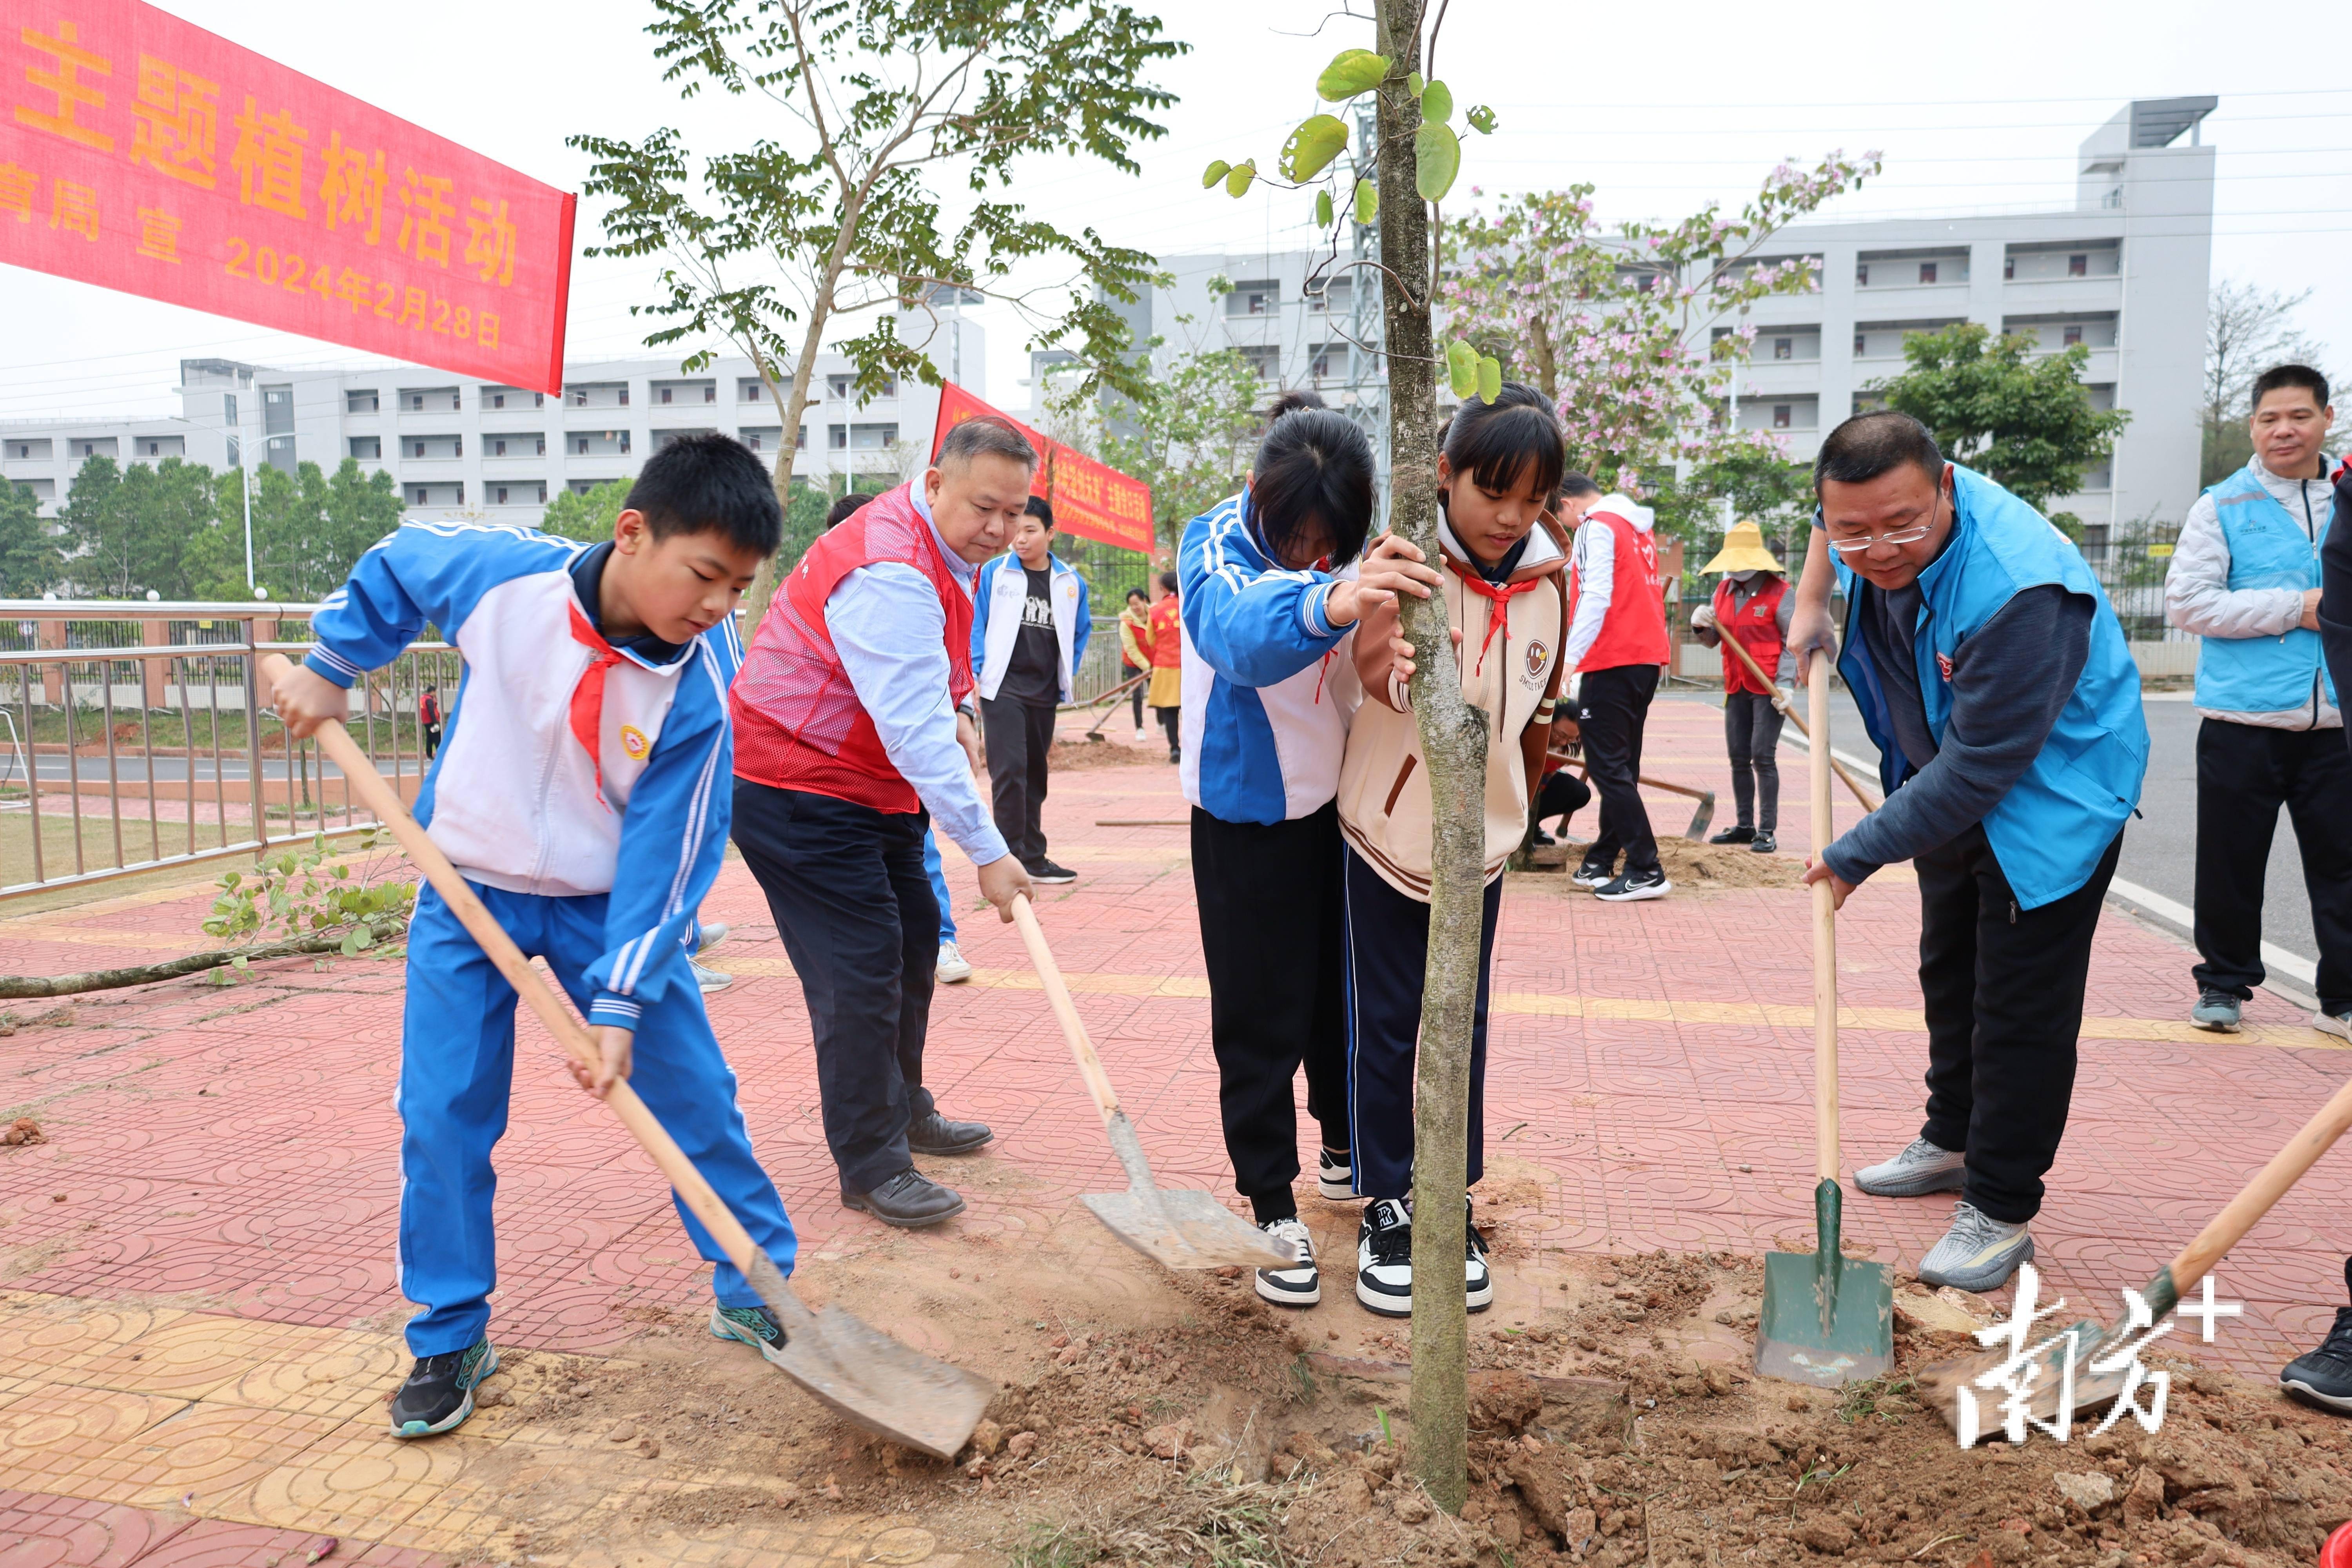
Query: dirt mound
(1692, 868)
(1104, 753)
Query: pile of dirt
(1104, 753)
(1692, 868)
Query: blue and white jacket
(1267, 703)
(516, 799)
(996, 620)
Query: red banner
(1089, 499)
(142, 153)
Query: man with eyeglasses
(2003, 698)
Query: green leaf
(1490, 378)
(1322, 209)
(1351, 71)
(1436, 103)
(239, 962)
(1314, 144)
(1436, 159)
(351, 948)
(1368, 201)
(362, 938)
(1462, 367)
(1238, 181)
(1413, 84)
(1217, 170)
(1482, 119)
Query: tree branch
(17, 988)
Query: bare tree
(2249, 329)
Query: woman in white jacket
(1505, 598)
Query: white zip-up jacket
(996, 620)
(2198, 597)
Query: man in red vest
(1617, 645)
(848, 749)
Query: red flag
(1089, 499)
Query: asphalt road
(2160, 844)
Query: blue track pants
(456, 1072)
(940, 886)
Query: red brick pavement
(240, 1144)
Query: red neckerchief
(588, 695)
(1500, 594)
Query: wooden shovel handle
(1049, 975)
(1825, 1066)
(2270, 1184)
(361, 774)
(1782, 703)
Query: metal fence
(134, 736)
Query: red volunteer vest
(1634, 630)
(1757, 626)
(798, 722)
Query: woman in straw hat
(1752, 606)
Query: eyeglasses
(1868, 541)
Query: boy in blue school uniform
(582, 789)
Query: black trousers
(1142, 689)
(432, 738)
(1018, 736)
(1752, 733)
(1388, 962)
(861, 924)
(1613, 705)
(1271, 932)
(2003, 988)
(1172, 721)
(2245, 774)
(1561, 795)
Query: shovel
(1696, 831)
(872, 1379)
(1964, 1395)
(1174, 1226)
(1826, 1320)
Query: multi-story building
(463, 448)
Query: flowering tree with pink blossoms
(1616, 326)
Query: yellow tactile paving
(359, 1480)
(464, 1511)
(194, 1359)
(70, 1440)
(343, 1378)
(49, 1337)
(208, 1456)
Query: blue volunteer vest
(2268, 549)
(2052, 827)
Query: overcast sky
(1975, 108)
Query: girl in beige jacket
(1505, 600)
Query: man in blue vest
(2005, 705)
(2245, 578)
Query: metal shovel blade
(1704, 814)
(1827, 1320)
(890, 1389)
(1181, 1229)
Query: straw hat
(1743, 550)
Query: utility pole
(244, 484)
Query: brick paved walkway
(235, 1148)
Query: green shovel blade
(1827, 1320)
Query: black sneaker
(1634, 886)
(1734, 835)
(1477, 1279)
(2324, 1377)
(439, 1393)
(1539, 839)
(1765, 844)
(1043, 870)
(1595, 873)
(1384, 1259)
(1335, 1174)
(754, 1326)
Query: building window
(417, 402)
(579, 397)
(1779, 417)
(355, 403)
(838, 386)
(2078, 265)
(542, 492)
(2070, 334)
(416, 448)
(1259, 297)
(873, 437)
(500, 492)
(498, 448)
(1267, 363)
(664, 394)
(1927, 272)
(750, 391)
(710, 392)
(368, 447)
(579, 446)
(1784, 348)
(417, 495)
(1861, 345)
(836, 438)
(542, 447)
(624, 397)
(497, 400)
(2009, 268)
(1862, 274)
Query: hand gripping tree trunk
(1453, 742)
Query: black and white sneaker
(439, 1393)
(1384, 1259)
(1477, 1279)
(1298, 1285)
(1634, 886)
(1334, 1175)
(1042, 870)
(2324, 1377)
(1595, 873)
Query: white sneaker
(1384, 1259)
(1477, 1279)
(710, 936)
(1978, 1252)
(1142, 734)
(1298, 1285)
(709, 979)
(955, 969)
(1334, 1175)
(1921, 1169)
(2327, 1023)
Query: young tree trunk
(1454, 743)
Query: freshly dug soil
(1691, 867)
(1106, 754)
